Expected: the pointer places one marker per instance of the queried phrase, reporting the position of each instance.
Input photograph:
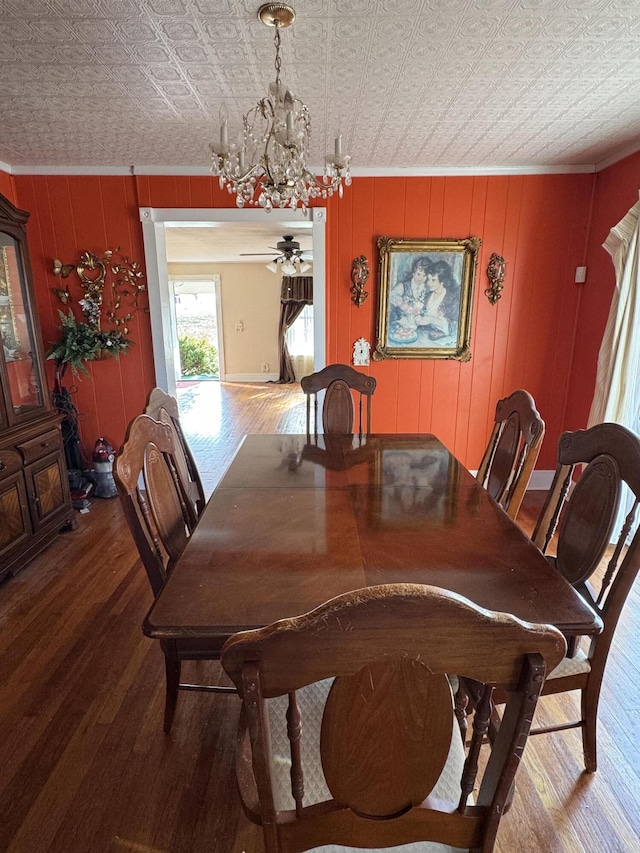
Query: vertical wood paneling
(537, 222)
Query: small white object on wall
(581, 275)
(361, 351)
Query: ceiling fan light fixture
(278, 130)
(272, 267)
(304, 267)
(288, 267)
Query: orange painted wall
(539, 224)
(68, 216)
(616, 192)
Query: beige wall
(249, 294)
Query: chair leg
(172, 669)
(589, 703)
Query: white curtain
(617, 393)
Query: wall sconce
(495, 274)
(359, 276)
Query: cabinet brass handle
(3, 465)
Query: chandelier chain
(278, 61)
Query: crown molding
(626, 152)
(381, 172)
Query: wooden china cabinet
(35, 503)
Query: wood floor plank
(86, 768)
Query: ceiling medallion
(268, 167)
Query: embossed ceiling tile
(399, 7)
(222, 31)
(156, 105)
(136, 31)
(93, 30)
(186, 104)
(205, 7)
(524, 25)
(113, 54)
(546, 50)
(127, 73)
(191, 53)
(486, 27)
(14, 31)
(231, 53)
(168, 7)
(505, 49)
(150, 53)
(487, 70)
(174, 90)
(164, 73)
(118, 8)
(143, 90)
(207, 88)
(564, 27)
(237, 73)
(201, 72)
(436, 27)
(28, 8)
(179, 31)
(396, 30)
(90, 73)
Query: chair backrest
(384, 741)
(611, 456)
(164, 408)
(158, 511)
(337, 409)
(514, 445)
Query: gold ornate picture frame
(426, 298)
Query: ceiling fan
(289, 261)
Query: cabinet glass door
(19, 348)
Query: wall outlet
(265, 366)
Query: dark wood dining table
(294, 522)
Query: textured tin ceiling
(423, 84)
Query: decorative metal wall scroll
(495, 274)
(125, 284)
(359, 276)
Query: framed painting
(426, 297)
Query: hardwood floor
(85, 766)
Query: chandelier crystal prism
(268, 167)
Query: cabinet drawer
(40, 446)
(10, 462)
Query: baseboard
(251, 377)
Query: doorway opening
(197, 329)
(161, 302)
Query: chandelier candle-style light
(268, 168)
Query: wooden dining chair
(514, 445)
(348, 734)
(586, 535)
(161, 518)
(338, 380)
(164, 408)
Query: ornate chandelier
(268, 168)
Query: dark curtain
(297, 291)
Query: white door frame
(154, 220)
